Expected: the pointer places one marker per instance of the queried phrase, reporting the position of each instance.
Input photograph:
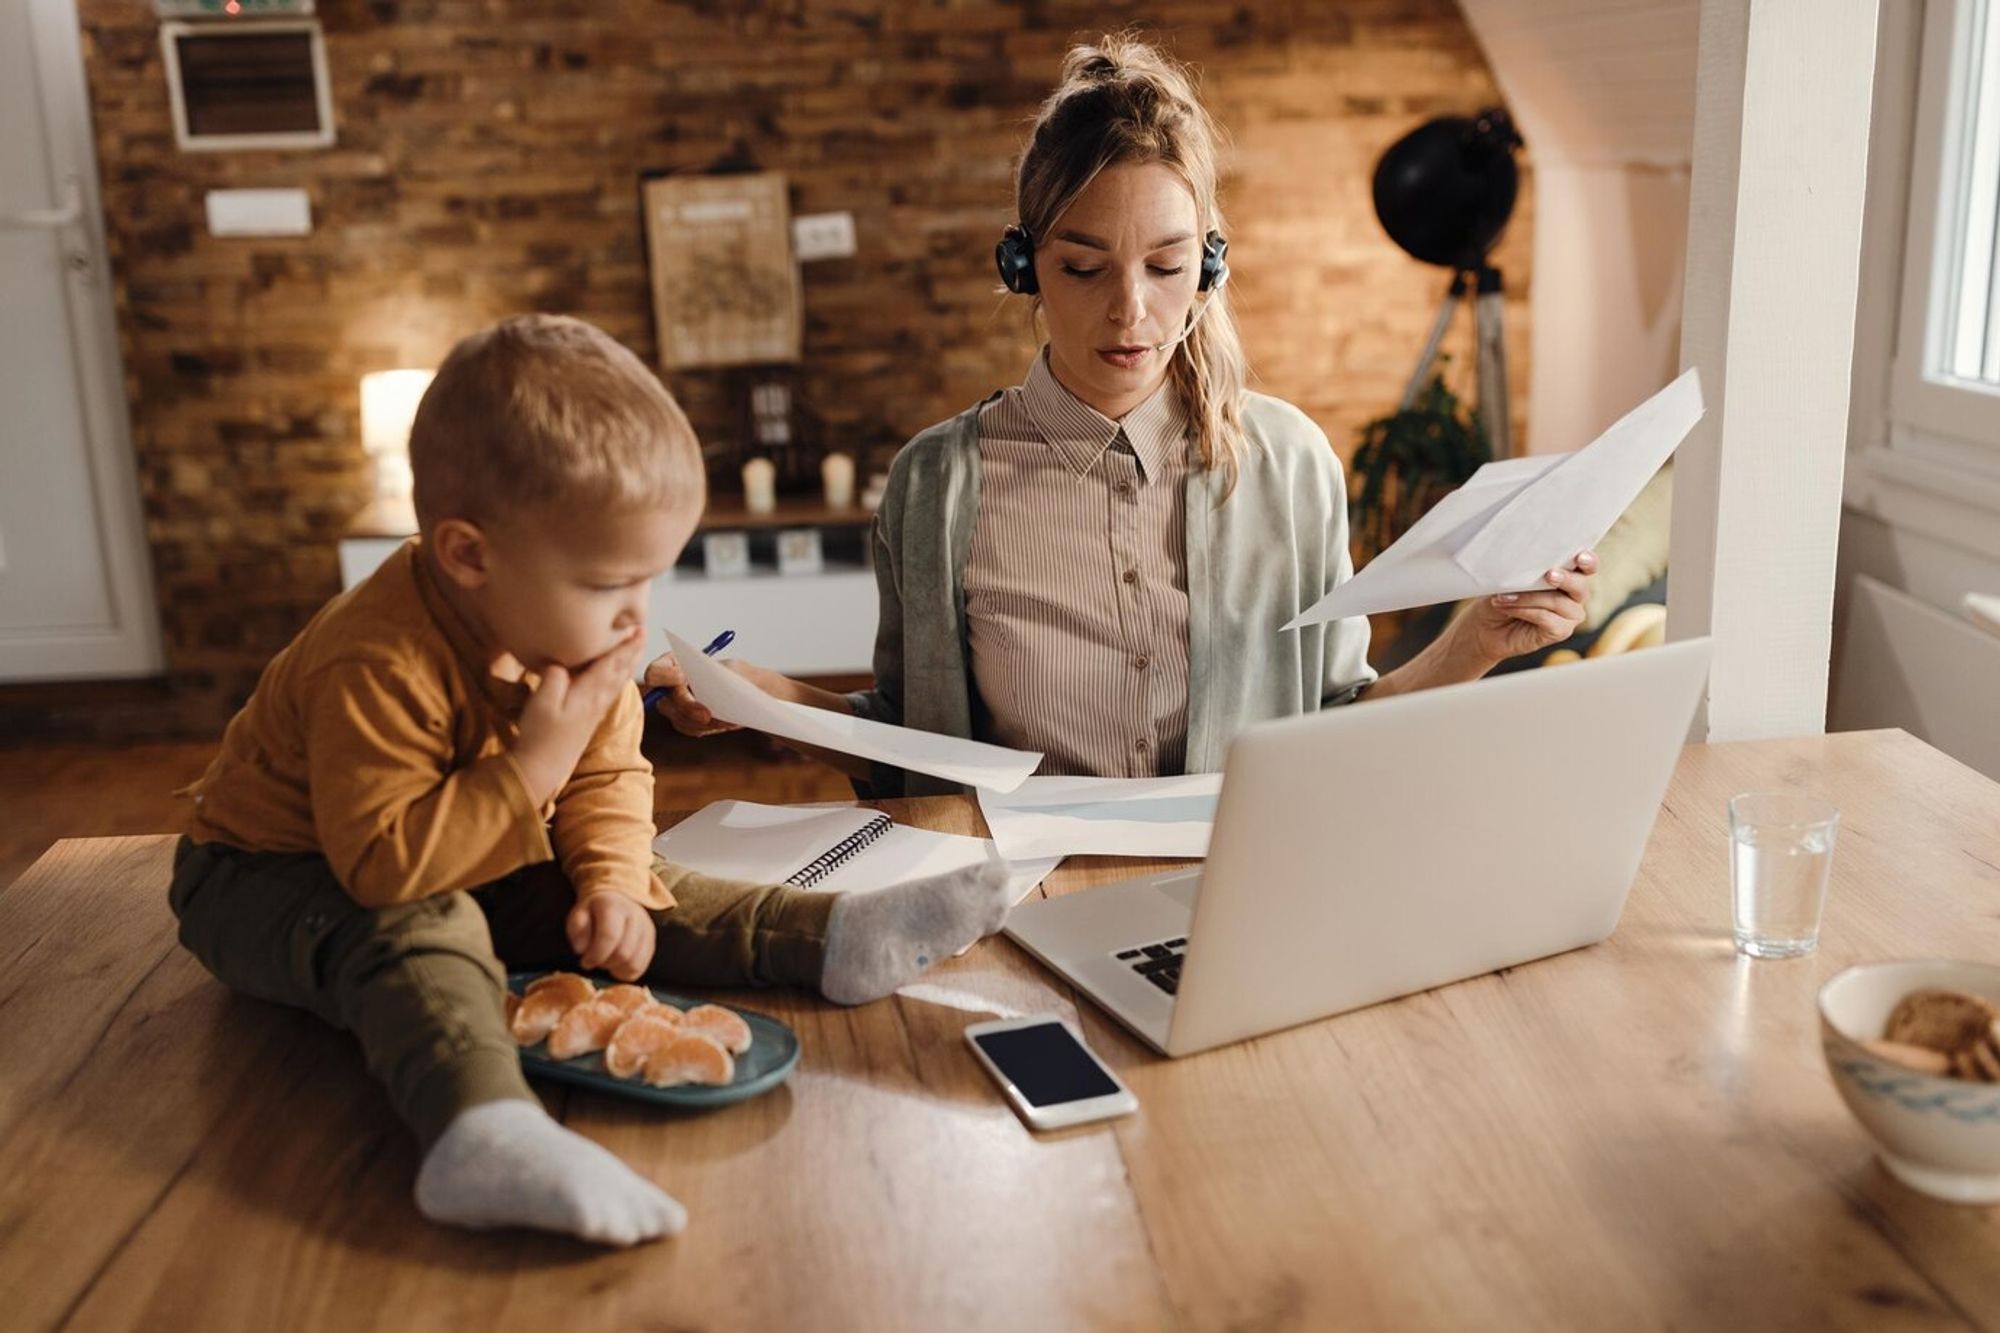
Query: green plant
(1408, 461)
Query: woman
(1097, 562)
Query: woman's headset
(1015, 254)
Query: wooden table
(1638, 1135)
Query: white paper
(907, 853)
(1983, 610)
(734, 699)
(768, 843)
(1104, 816)
(765, 843)
(1517, 519)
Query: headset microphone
(1181, 337)
(1214, 273)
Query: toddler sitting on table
(440, 779)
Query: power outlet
(823, 236)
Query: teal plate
(774, 1050)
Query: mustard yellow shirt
(381, 739)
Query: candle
(760, 486)
(836, 478)
(878, 486)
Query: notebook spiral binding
(838, 855)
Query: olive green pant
(420, 985)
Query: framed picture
(246, 85)
(725, 284)
(799, 551)
(725, 555)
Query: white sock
(879, 940)
(507, 1164)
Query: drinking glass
(1780, 850)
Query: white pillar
(1774, 245)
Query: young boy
(442, 772)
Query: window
(1972, 319)
(248, 85)
(1947, 375)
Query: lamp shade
(389, 401)
(1445, 190)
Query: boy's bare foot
(507, 1164)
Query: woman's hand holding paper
(1510, 624)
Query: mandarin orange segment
(575, 988)
(585, 1028)
(538, 1013)
(726, 1026)
(689, 1057)
(628, 998)
(634, 1041)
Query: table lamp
(389, 401)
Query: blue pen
(659, 692)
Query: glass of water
(1780, 850)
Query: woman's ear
(461, 551)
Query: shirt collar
(1156, 429)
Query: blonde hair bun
(1122, 100)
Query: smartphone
(1047, 1072)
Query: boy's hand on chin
(564, 711)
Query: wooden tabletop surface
(1636, 1135)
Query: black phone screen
(1047, 1064)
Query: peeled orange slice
(628, 999)
(634, 1041)
(568, 984)
(726, 1026)
(689, 1057)
(538, 1013)
(585, 1028)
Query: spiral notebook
(831, 848)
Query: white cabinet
(801, 624)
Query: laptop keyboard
(1158, 963)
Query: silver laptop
(1382, 848)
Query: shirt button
(1124, 488)
(1131, 576)
(1141, 662)
(1143, 745)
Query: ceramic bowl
(1940, 1136)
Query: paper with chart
(1517, 519)
(767, 844)
(734, 699)
(1104, 816)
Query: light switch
(823, 236)
(259, 213)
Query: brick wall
(488, 159)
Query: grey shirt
(1255, 558)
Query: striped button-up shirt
(1261, 546)
(1076, 589)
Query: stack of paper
(1515, 520)
(766, 844)
(1104, 816)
